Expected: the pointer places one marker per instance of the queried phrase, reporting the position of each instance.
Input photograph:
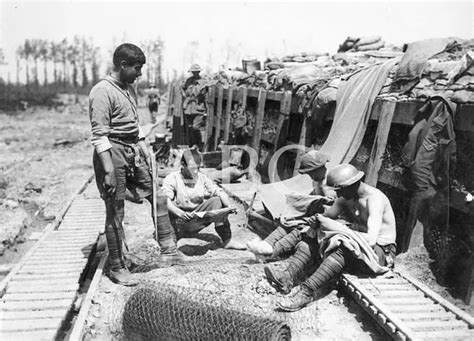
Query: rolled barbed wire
(167, 312)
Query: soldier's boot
(118, 273)
(166, 234)
(313, 288)
(225, 234)
(284, 278)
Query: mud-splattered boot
(316, 285)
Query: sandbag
(368, 40)
(326, 96)
(463, 96)
(370, 47)
(274, 66)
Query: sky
(245, 29)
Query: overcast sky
(249, 28)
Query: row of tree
(74, 63)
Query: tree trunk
(18, 71)
(55, 73)
(27, 73)
(74, 74)
(95, 72)
(85, 79)
(45, 73)
(65, 73)
(36, 72)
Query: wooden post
(170, 100)
(178, 129)
(217, 124)
(211, 98)
(227, 115)
(285, 106)
(243, 102)
(302, 142)
(380, 143)
(257, 130)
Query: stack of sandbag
(287, 78)
(361, 44)
(304, 57)
(449, 74)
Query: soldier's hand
(186, 216)
(110, 184)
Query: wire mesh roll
(164, 312)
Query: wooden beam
(217, 121)
(257, 130)
(227, 115)
(380, 143)
(302, 142)
(211, 98)
(464, 118)
(170, 100)
(243, 92)
(285, 106)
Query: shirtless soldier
(369, 212)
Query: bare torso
(372, 210)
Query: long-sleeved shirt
(113, 113)
(186, 197)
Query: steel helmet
(312, 160)
(194, 68)
(343, 175)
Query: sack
(370, 47)
(274, 66)
(368, 40)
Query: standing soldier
(121, 158)
(153, 101)
(194, 106)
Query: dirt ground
(45, 155)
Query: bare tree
(36, 54)
(95, 64)
(44, 53)
(25, 52)
(85, 57)
(73, 58)
(55, 56)
(18, 66)
(64, 45)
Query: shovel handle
(251, 204)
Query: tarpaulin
(289, 198)
(413, 61)
(355, 98)
(333, 234)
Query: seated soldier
(284, 238)
(189, 191)
(367, 244)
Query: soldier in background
(194, 106)
(153, 101)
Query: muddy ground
(45, 156)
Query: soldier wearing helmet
(194, 92)
(367, 211)
(195, 70)
(288, 237)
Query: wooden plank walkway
(39, 293)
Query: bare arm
(173, 208)
(334, 210)
(213, 189)
(375, 209)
